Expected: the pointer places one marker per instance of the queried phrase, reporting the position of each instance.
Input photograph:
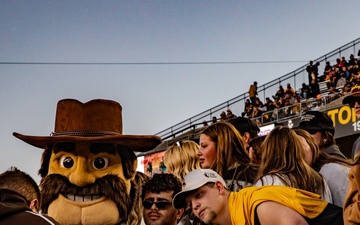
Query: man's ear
(221, 188)
(34, 205)
(179, 214)
(247, 137)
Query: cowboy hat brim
(137, 143)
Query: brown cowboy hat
(354, 94)
(96, 121)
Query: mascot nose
(82, 176)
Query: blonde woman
(283, 163)
(181, 158)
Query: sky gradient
(153, 96)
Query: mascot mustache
(110, 186)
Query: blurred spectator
(256, 112)
(327, 70)
(310, 71)
(223, 116)
(351, 60)
(339, 64)
(314, 88)
(214, 119)
(229, 114)
(289, 90)
(296, 107)
(205, 124)
(344, 62)
(279, 93)
(333, 90)
(253, 92)
(305, 91)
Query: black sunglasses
(352, 104)
(160, 205)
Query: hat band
(83, 133)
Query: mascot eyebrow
(95, 148)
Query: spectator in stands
(314, 88)
(256, 113)
(327, 70)
(20, 199)
(339, 64)
(333, 90)
(222, 149)
(214, 119)
(305, 91)
(253, 92)
(289, 90)
(310, 71)
(279, 94)
(205, 123)
(229, 114)
(246, 107)
(181, 158)
(222, 116)
(247, 128)
(321, 128)
(344, 62)
(296, 107)
(213, 203)
(351, 60)
(354, 102)
(316, 71)
(333, 169)
(262, 107)
(283, 163)
(355, 68)
(318, 105)
(346, 89)
(157, 194)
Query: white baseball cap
(194, 180)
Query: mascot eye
(101, 163)
(66, 162)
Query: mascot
(88, 168)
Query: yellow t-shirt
(242, 204)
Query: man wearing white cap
(206, 193)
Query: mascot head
(88, 167)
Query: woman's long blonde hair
(181, 158)
(283, 156)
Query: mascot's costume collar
(88, 167)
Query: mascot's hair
(136, 211)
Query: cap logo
(355, 88)
(307, 117)
(210, 175)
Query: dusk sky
(153, 96)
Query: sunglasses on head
(160, 205)
(352, 104)
(178, 143)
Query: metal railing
(295, 78)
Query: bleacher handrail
(192, 122)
